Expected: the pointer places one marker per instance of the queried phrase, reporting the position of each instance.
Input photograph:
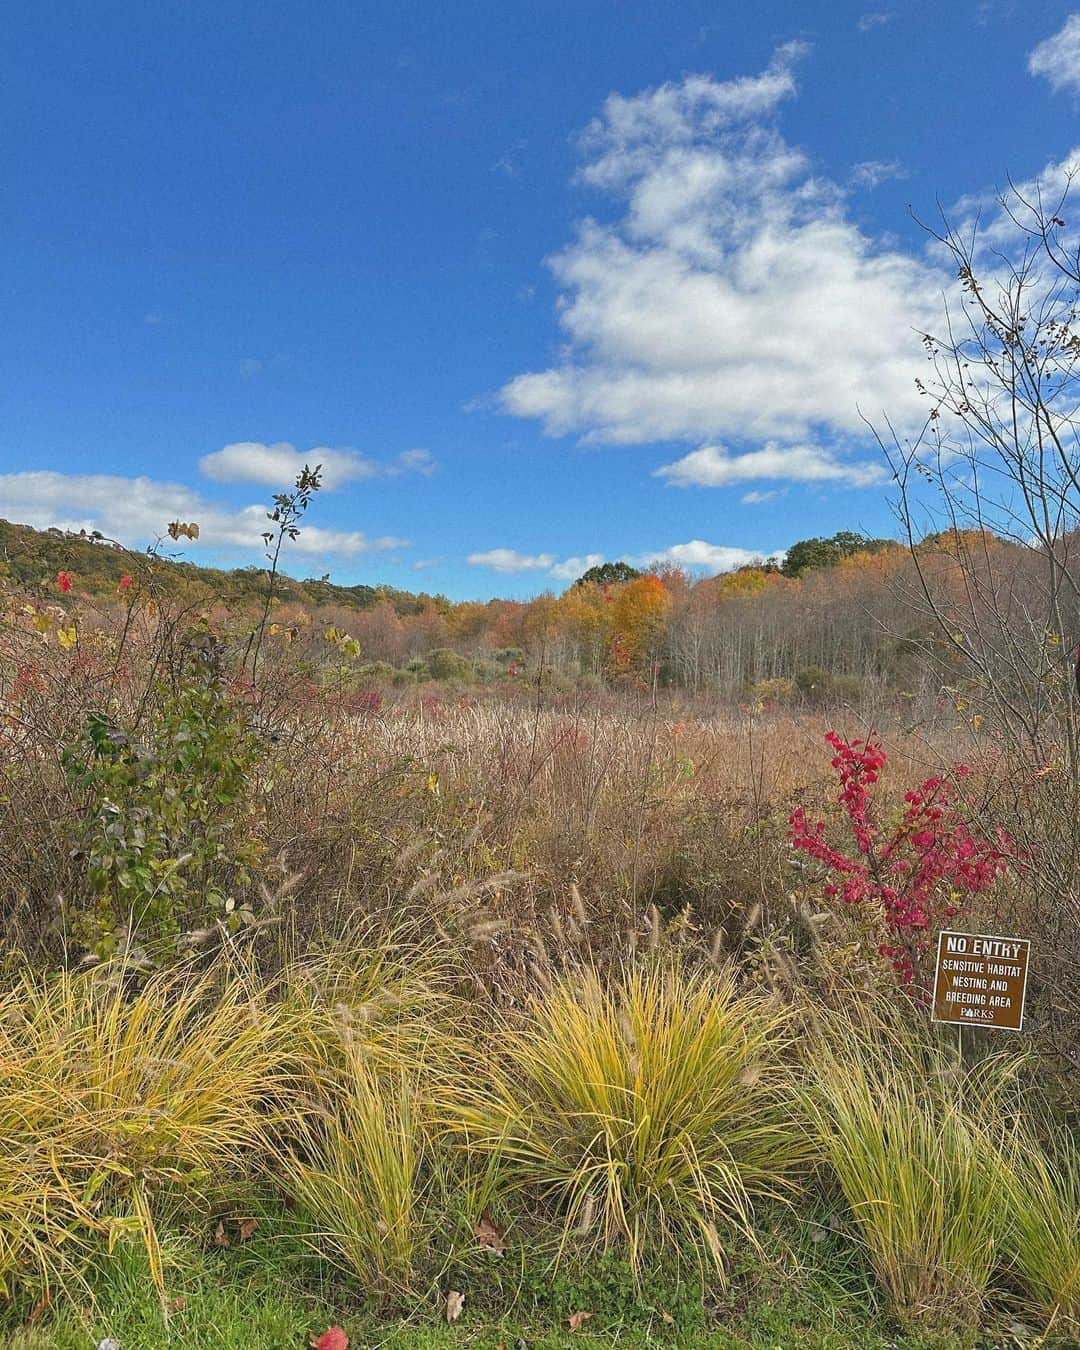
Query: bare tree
(998, 459)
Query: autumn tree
(584, 617)
(637, 617)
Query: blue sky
(541, 284)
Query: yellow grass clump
(649, 1109)
(114, 1099)
(914, 1139)
(356, 1148)
(363, 1172)
(1043, 1197)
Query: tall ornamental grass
(1043, 1196)
(356, 1150)
(114, 1100)
(914, 1141)
(649, 1109)
(364, 1171)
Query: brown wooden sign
(981, 980)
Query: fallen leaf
(667, 1317)
(221, 1238)
(489, 1235)
(331, 1339)
(178, 1304)
(247, 1227)
(454, 1304)
(575, 1320)
(40, 1308)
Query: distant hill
(31, 558)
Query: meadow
(520, 1012)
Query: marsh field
(540, 675)
(512, 1010)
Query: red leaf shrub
(920, 869)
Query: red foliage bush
(920, 868)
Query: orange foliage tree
(637, 617)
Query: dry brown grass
(505, 859)
(534, 828)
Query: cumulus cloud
(984, 216)
(698, 556)
(139, 509)
(510, 560)
(1057, 58)
(731, 296)
(715, 466)
(572, 568)
(278, 465)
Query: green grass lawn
(262, 1296)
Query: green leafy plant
(289, 509)
(165, 830)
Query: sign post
(981, 980)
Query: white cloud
(698, 556)
(137, 510)
(279, 464)
(572, 568)
(510, 560)
(873, 19)
(413, 461)
(871, 173)
(755, 498)
(509, 162)
(1057, 58)
(990, 218)
(715, 466)
(732, 297)
(625, 141)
